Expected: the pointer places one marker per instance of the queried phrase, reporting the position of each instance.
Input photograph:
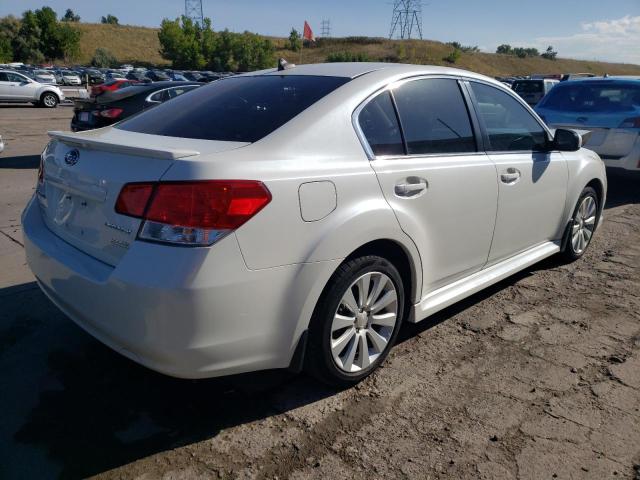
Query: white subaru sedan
(297, 217)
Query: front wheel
(49, 100)
(356, 321)
(582, 225)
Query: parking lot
(537, 377)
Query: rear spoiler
(84, 141)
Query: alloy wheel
(364, 322)
(584, 224)
(49, 100)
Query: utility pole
(193, 10)
(325, 29)
(406, 19)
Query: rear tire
(49, 100)
(582, 225)
(356, 321)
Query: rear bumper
(188, 313)
(617, 147)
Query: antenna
(193, 10)
(325, 29)
(406, 19)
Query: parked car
(67, 77)
(533, 90)
(114, 75)
(115, 105)
(112, 85)
(157, 76)
(138, 76)
(94, 77)
(193, 76)
(298, 217)
(178, 77)
(1, 144)
(609, 108)
(210, 76)
(18, 88)
(574, 76)
(44, 76)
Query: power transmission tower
(193, 10)
(325, 29)
(406, 18)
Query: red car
(111, 85)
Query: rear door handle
(411, 187)
(510, 176)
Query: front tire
(582, 225)
(49, 100)
(356, 321)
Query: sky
(589, 29)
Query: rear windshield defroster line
(240, 109)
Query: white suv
(18, 88)
(299, 217)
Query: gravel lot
(536, 378)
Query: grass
(131, 44)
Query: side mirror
(566, 140)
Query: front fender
(584, 166)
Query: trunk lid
(83, 176)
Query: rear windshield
(528, 87)
(590, 96)
(238, 109)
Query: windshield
(591, 96)
(239, 109)
(528, 87)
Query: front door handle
(411, 187)
(510, 176)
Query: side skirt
(450, 294)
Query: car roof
(618, 79)
(356, 69)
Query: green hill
(131, 44)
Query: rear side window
(591, 96)
(434, 117)
(379, 125)
(238, 109)
(509, 125)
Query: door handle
(510, 176)
(411, 187)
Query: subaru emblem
(72, 157)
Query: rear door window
(379, 124)
(434, 117)
(592, 96)
(237, 109)
(509, 125)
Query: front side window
(434, 117)
(509, 125)
(236, 109)
(380, 127)
(14, 77)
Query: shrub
(550, 53)
(110, 19)
(103, 58)
(295, 42)
(453, 57)
(464, 48)
(347, 57)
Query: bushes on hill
(189, 45)
(103, 58)
(348, 57)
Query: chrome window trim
(390, 86)
(148, 99)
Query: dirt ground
(535, 378)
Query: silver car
(298, 217)
(18, 88)
(608, 107)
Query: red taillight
(633, 122)
(195, 213)
(133, 199)
(110, 112)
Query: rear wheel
(49, 100)
(582, 225)
(356, 321)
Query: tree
(504, 49)
(26, 45)
(189, 45)
(110, 19)
(9, 29)
(103, 58)
(295, 43)
(70, 16)
(550, 53)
